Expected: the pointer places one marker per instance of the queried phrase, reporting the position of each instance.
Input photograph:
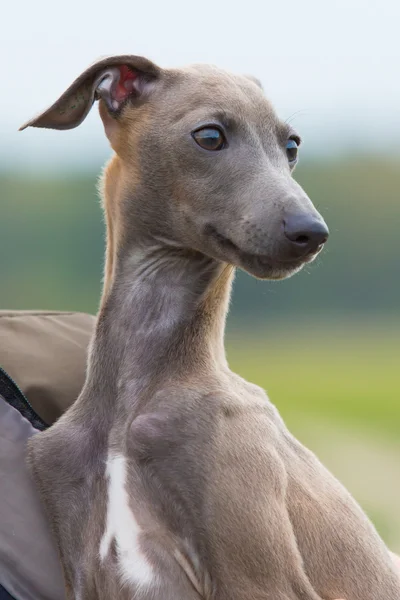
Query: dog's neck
(162, 316)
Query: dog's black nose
(307, 233)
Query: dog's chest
(122, 530)
(137, 551)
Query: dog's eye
(209, 138)
(292, 148)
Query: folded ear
(115, 80)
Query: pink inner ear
(125, 84)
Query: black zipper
(14, 396)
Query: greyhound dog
(171, 477)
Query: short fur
(165, 442)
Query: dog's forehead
(211, 87)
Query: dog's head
(207, 157)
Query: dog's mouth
(263, 266)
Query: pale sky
(335, 65)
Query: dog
(171, 477)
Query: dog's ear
(116, 80)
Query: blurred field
(324, 344)
(341, 369)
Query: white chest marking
(122, 526)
